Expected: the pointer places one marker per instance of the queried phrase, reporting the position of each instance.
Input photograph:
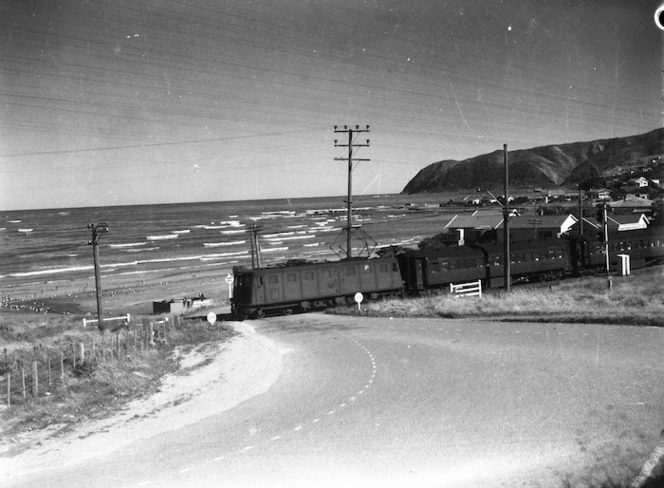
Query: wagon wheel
(287, 311)
(259, 314)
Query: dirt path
(213, 378)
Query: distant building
(616, 222)
(600, 194)
(487, 226)
(641, 182)
(631, 204)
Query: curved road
(417, 402)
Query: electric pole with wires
(350, 158)
(97, 231)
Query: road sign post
(358, 298)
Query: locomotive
(302, 286)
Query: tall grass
(632, 300)
(96, 388)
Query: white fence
(125, 318)
(473, 289)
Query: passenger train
(302, 286)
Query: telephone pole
(97, 231)
(506, 226)
(255, 246)
(350, 158)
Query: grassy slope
(633, 300)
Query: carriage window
(308, 276)
(472, 263)
(463, 264)
(273, 279)
(444, 266)
(291, 277)
(453, 265)
(559, 253)
(326, 273)
(260, 281)
(435, 266)
(497, 260)
(394, 267)
(522, 257)
(350, 271)
(382, 268)
(529, 256)
(552, 254)
(513, 258)
(368, 268)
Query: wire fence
(44, 371)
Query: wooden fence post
(151, 333)
(48, 364)
(9, 390)
(73, 350)
(94, 352)
(82, 350)
(62, 367)
(35, 379)
(23, 380)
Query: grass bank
(633, 300)
(71, 390)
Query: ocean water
(38, 246)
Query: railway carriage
(303, 286)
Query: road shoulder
(213, 378)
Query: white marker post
(229, 280)
(212, 318)
(358, 298)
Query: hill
(545, 166)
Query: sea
(46, 246)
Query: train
(301, 286)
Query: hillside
(545, 166)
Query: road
(416, 402)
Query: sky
(118, 102)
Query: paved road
(408, 402)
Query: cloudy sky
(115, 102)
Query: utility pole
(606, 246)
(255, 246)
(580, 211)
(506, 226)
(97, 231)
(350, 159)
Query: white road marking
(185, 470)
(276, 438)
(218, 458)
(299, 427)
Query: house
(631, 204)
(641, 182)
(487, 226)
(616, 223)
(600, 194)
(529, 227)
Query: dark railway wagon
(644, 247)
(307, 286)
(530, 261)
(424, 269)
